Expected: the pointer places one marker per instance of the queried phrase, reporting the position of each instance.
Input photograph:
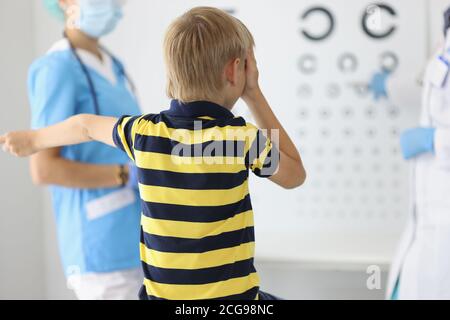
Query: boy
(197, 234)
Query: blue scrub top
(58, 89)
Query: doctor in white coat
(421, 268)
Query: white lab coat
(422, 262)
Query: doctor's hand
(20, 143)
(417, 141)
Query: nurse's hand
(417, 141)
(133, 180)
(20, 143)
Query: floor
(292, 282)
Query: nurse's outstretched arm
(75, 130)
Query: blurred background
(322, 68)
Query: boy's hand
(20, 143)
(252, 89)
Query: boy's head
(205, 51)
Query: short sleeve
(123, 134)
(263, 157)
(52, 92)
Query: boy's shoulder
(185, 123)
(162, 125)
(251, 126)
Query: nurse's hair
(197, 47)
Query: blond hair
(197, 47)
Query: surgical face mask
(99, 17)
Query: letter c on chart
(372, 23)
(331, 23)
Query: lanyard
(89, 78)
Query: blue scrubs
(58, 89)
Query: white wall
(21, 236)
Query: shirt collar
(198, 109)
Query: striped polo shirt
(197, 227)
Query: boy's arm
(75, 130)
(291, 172)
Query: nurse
(93, 187)
(421, 269)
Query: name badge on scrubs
(114, 201)
(438, 71)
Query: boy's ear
(232, 71)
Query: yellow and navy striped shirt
(197, 229)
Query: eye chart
(342, 75)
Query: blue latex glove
(417, 141)
(378, 85)
(133, 180)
